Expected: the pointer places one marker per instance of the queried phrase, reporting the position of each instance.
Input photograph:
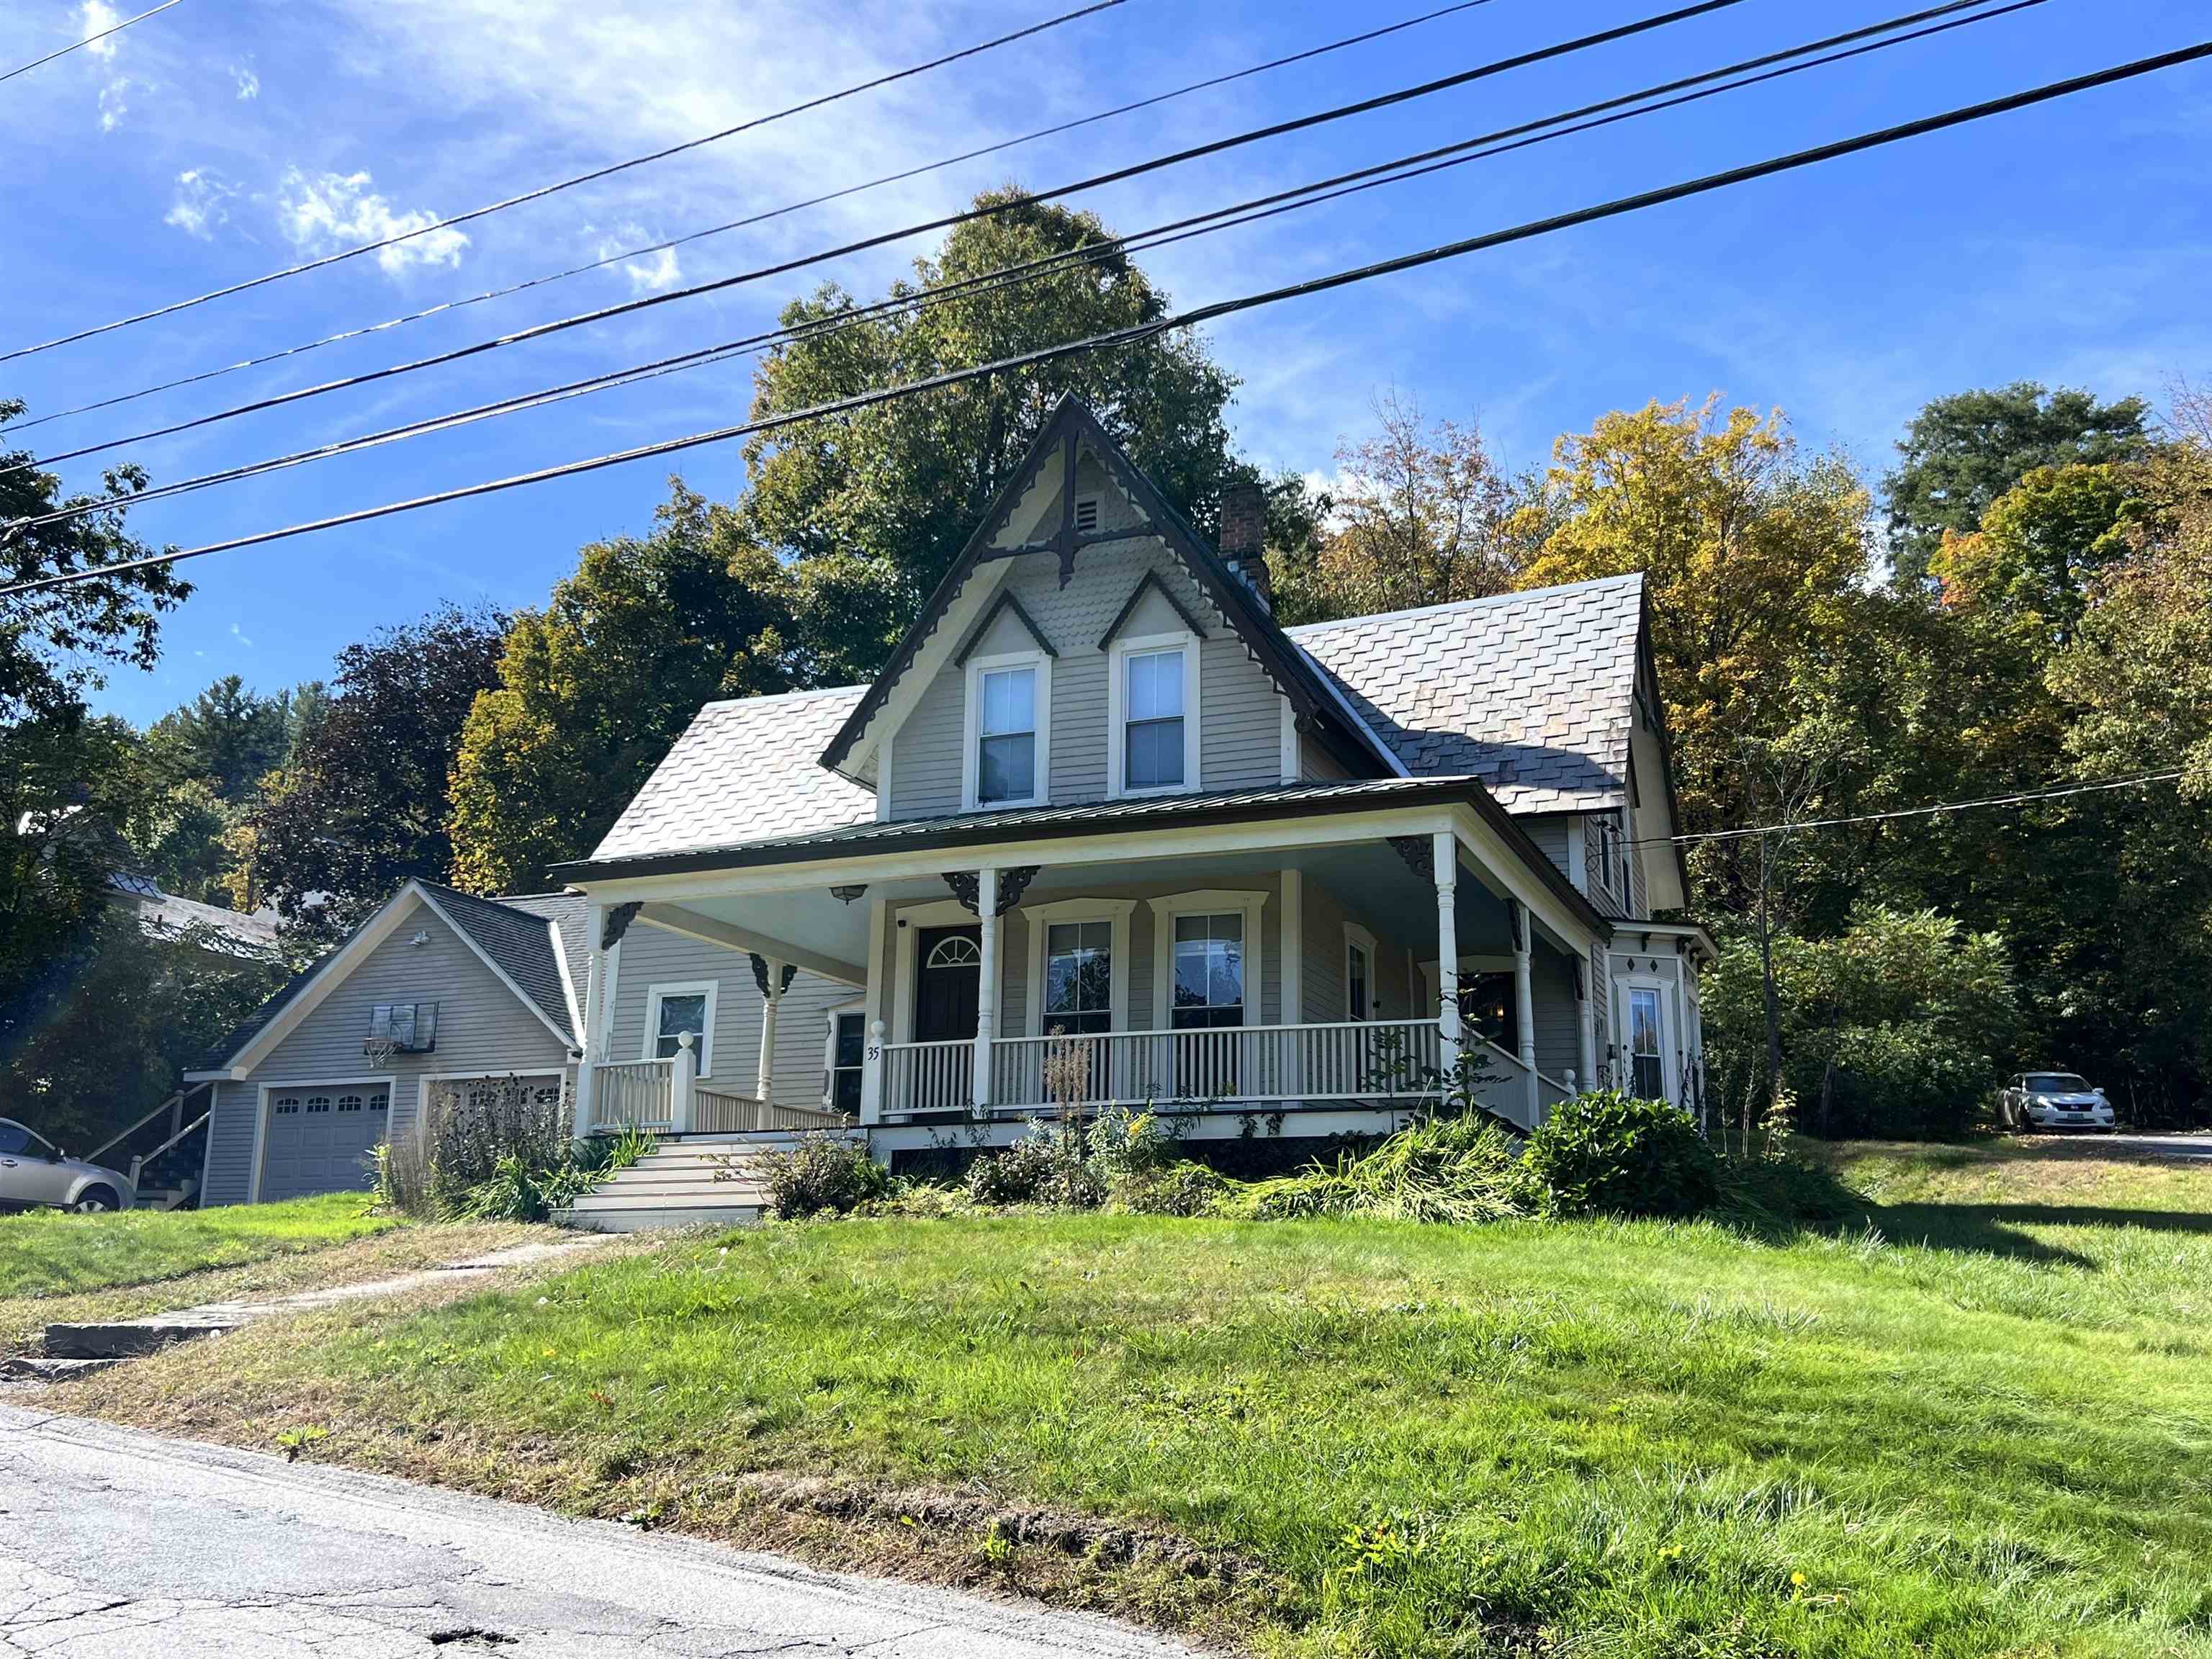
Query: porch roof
(1042, 823)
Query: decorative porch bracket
(1419, 854)
(760, 973)
(1014, 882)
(619, 918)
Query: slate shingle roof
(1534, 692)
(748, 770)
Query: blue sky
(2070, 244)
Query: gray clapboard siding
(653, 955)
(1240, 737)
(483, 1026)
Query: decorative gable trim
(1006, 601)
(1071, 426)
(1149, 582)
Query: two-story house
(1100, 804)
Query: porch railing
(1352, 1060)
(633, 1094)
(714, 1111)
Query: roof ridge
(779, 696)
(1450, 606)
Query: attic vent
(1087, 514)
(404, 1028)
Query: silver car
(2053, 1100)
(35, 1173)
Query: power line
(1404, 169)
(1194, 316)
(1216, 146)
(112, 28)
(2019, 797)
(544, 191)
(675, 242)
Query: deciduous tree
(591, 691)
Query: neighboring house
(1099, 797)
(439, 990)
(248, 935)
(1101, 820)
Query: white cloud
(98, 16)
(651, 274)
(327, 211)
(115, 102)
(238, 633)
(201, 204)
(249, 83)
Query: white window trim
(1117, 700)
(857, 1008)
(1116, 912)
(1213, 901)
(263, 1090)
(972, 734)
(1356, 938)
(681, 987)
(1667, 1023)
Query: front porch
(1315, 974)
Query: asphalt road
(2181, 1149)
(115, 1544)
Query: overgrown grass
(1595, 1437)
(53, 1252)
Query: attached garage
(322, 1137)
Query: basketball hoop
(379, 1050)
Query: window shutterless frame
(668, 990)
(1144, 705)
(995, 705)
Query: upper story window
(1009, 713)
(1154, 715)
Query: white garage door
(319, 1138)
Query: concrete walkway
(114, 1543)
(126, 1339)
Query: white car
(37, 1174)
(2053, 1100)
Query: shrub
(1180, 1187)
(1607, 1153)
(474, 1131)
(823, 1175)
(1050, 1163)
(1441, 1169)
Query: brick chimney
(1244, 538)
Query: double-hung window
(1646, 1055)
(1078, 977)
(1358, 981)
(672, 1011)
(1152, 735)
(1009, 705)
(1209, 972)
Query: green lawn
(1597, 1438)
(54, 1253)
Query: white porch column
(682, 1084)
(987, 990)
(1586, 1071)
(764, 1081)
(1445, 851)
(871, 1051)
(1524, 1001)
(595, 992)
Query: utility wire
(1193, 318)
(544, 191)
(1216, 146)
(114, 29)
(1404, 169)
(675, 242)
(2020, 798)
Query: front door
(948, 983)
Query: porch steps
(699, 1180)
